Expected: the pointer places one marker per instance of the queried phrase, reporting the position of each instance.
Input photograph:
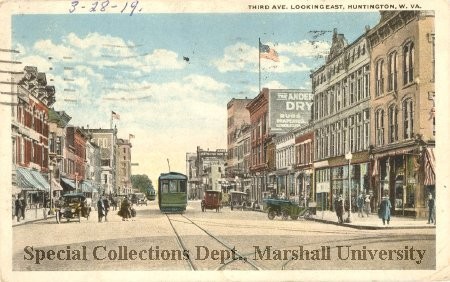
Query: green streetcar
(172, 192)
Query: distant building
(123, 167)
(106, 140)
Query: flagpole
(259, 61)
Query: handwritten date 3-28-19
(105, 6)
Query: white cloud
(304, 48)
(242, 57)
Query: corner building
(403, 139)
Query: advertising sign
(289, 108)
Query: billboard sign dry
(289, 109)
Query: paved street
(244, 240)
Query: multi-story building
(242, 153)
(57, 121)
(193, 180)
(284, 163)
(237, 125)
(123, 167)
(274, 112)
(73, 168)
(303, 164)
(91, 185)
(341, 89)
(210, 168)
(29, 126)
(259, 109)
(402, 55)
(106, 140)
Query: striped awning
(430, 167)
(41, 180)
(88, 187)
(26, 180)
(68, 183)
(56, 186)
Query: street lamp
(348, 157)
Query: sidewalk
(32, 215)
(372, 222)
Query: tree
(142, 182)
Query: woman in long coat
(339, 206)
(385, 210)
(125, 209)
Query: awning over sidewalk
(88, 187)
(56, 186)
(430, 167)
(41, 180)
(67, 183)
(26, 180)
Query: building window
(366, 119)
(379, 127)
(408, 63)
(392, 72)
(379, 79)
(408, 119)
(344, 93)
(359, 129)
(366, 81)
(352, 134)
(393, 124)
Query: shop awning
(41, 180)
(69, 184)
(56, 186)
(26, 180)
(430, 167)
(88, 187)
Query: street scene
(221, 141)
(224, 240)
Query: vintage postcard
(224, 140)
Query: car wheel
(294, 217)
(271, 214)
(284, 214)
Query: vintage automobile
(212, 200)
(72, 206)
(139, 199)
(282, 207)
(239, 200)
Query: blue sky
(134, 66)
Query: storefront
(406, 176)
(32, 187)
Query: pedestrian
(125, 209)
(431, 209)
(339, 206)
(360, 205)
(100, 209)
(23, 205)
(106, 205)
(18, 208)
(385, 210)
(367, 205)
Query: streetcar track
(236, 254)
(182, 246)
(240, 256)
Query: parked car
(72, 206)
(239, 200)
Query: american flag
(131, 136)
(268, 53)
(114, 115)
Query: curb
(32, 221)
(368, 227)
